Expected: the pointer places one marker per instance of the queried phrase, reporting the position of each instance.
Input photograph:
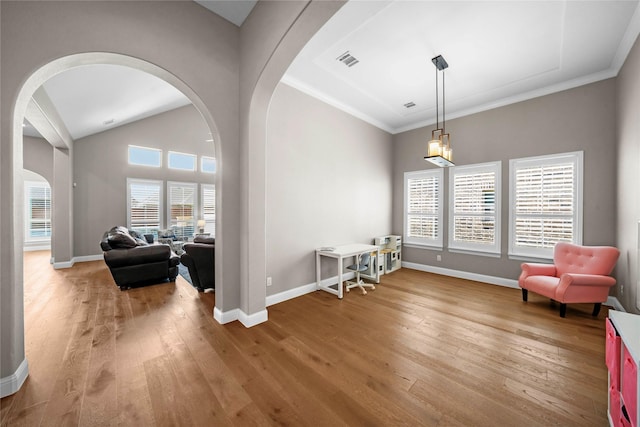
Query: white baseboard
(500, 281)
(84, 258)
(61, 265)
(249, 320)
(226, 316)
(28, 248)
(12, 383)
(88, 258)
(304, 289)
(615, 303)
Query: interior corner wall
(328, 182)
(101, 169)
(196, 48)
(38, 157)
(628, 175)
(582, 118)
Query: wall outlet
(268, 281)
(438, 257)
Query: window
(144, 198)
(474, 211)
(37, 211)
(144, 156)
(208, 164)
(423, 208)
(209, 208)
(182, 161)
(546, 203)
(182, 207)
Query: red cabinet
(621, 357)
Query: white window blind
(474, 214)
(38, 211)
(144, 201)
(209, 208)
(423, 208)
(182, 207)
(546, 203)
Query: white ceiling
(498, 53)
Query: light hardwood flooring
(420, 350)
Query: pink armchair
(579, 274)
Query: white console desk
(341, 252)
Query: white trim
(31, 248)
(62, 265)
(87, 258)
(477, 248)
(305, 289)
(615, 303)
(438, 174)
(492, 280)
(12, 383)
(290, 294)
(574, 157)
(249, 320)
(227, 316)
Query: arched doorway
(31, 84)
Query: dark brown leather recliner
(133, 262)
(199, 258)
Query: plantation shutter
(209, 208)
(547, 203)
(182, 208)
(39, 210)
(423, 194)
(144, 206)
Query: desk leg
(340, 290)
(377, 258)
(318, 271)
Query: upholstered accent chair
(199, 258)
(579, 274)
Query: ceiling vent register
(348, 59)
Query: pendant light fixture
(439, 150)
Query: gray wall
(38, 157)
(578, 119)
(197, 50)
(101, 169)
(328, 182)
(628, 174)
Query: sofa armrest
(139, 255)
(535, 269)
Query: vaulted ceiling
(499, 52)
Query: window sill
(478, 253)
(419, 246)
(526, 258)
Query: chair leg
(563, 309)
(596, 309)
(525, 294)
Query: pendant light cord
(437, 111)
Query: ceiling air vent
(409, 104)
(347, 59)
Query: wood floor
(420, 350)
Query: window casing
(207, 164)
(208, 197)
(474, 208)
(37, 211)
(546, 203)
(182, 207)
(144, 201)
(181, 161)
(144, 156)
(423, 208)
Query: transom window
(546, 203)
(208, 164)
(144, 156)
(182, 161)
